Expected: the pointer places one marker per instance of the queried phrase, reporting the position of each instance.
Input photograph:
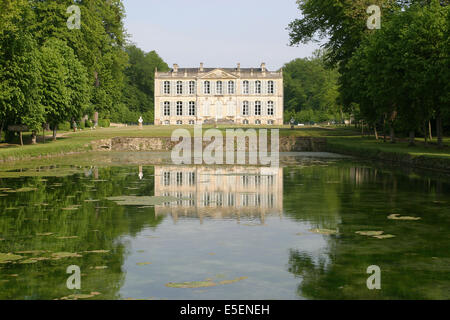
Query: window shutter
(274, 108)
(274, 87)
(242, 87)
(173, 108)
(173, 88)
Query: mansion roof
(237, 72)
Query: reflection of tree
(73, 213)
(414, 264)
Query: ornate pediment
(218, 74)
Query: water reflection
(254, 222)
(226, 192)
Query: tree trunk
(54, 133)
(429, 130)
(43, 133)
(1, 130)
(375, 131)
(412, 138)
(384, 129)
(21, 138)
(33, 137)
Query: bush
(88, 124)
(104, 123)
(64, 126)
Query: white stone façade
(251, 96)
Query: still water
(156, 231)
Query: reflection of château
(224, 192)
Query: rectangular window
(179, 108)
(257, 108)
(166, 87)
(245, 108)
(166, 108)
(219, 87)
(191, 87)
(270, 108)
(192, 108)
(230, 87)
(207, 87)
(270, 87)
(245, 87)
(258, 87)
(179, 87)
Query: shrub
(104, 123)
(64, 126)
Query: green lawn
(340, 138)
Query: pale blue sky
(219, 33)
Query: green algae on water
(142, 201)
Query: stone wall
(287, 144)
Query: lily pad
(9, 257)
(60, 255)
(233, 281)
(142, 201)
(370, 233)
(398, 217)
(193, 284)
(323, 231)
(384, 236)
(97, 251)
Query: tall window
(245, 87)
(270, 87)
(258, 87)
(270, 109)
(207, 87)
(191, 87)
(166, 87)
(179, 87)
(167, 108)
(192, 108)
(219, 87)
(245, 108)
(179, 108)
(257, 108)
(230, 87)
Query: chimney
(201, 66)
(263, 67)
(175, 67)
(239, 67)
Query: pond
(145, 229)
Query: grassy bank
(343, 140)
(419, 156)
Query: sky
(219, 33)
